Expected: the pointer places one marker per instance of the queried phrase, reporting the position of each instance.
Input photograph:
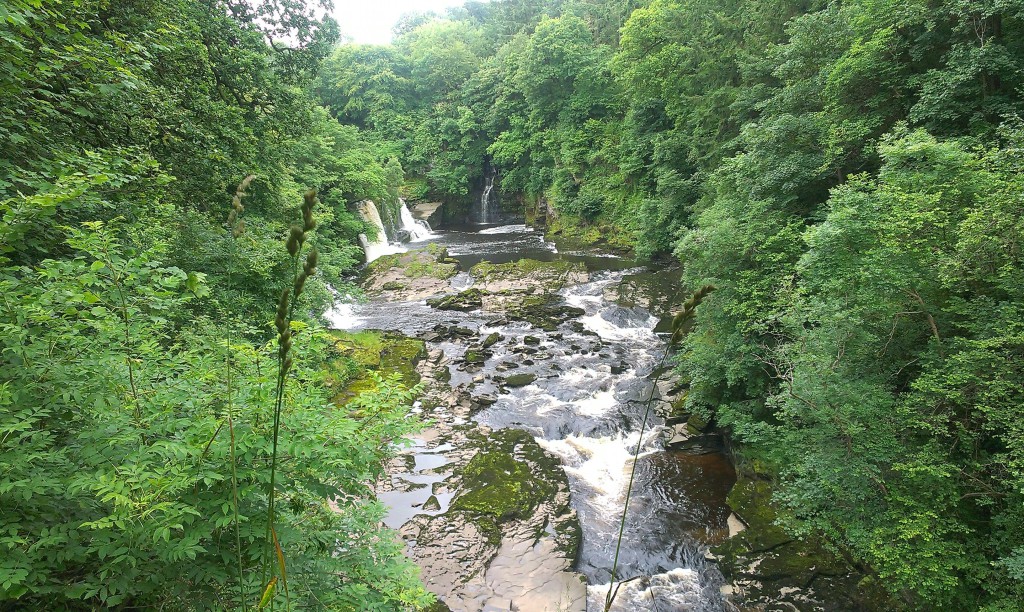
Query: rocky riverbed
(536, 374)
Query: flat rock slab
(412, 276)
(503, 536)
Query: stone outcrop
(411, 276)
(493, 528)
(767, 567)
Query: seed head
(245, 182)
(311, 260)
(282, 311)
(295, 238)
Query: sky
(370, 21)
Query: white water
(343, 316)
(379, 246)
(487, 196)
(603, 464)
(505, 229)
(678, 589)
(418, 230)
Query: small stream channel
(590, 382)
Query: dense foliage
(848, 174)
(138, 368)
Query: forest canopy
(848, 175)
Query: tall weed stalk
(285, 311)
(237, 227)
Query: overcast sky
(370, 21)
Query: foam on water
(602, 464)
(678, 590)
(506, 229)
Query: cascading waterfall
(487, 197)
(379, 246)
(418, 230)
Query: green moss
(546, 275)
(476, 357)
(750, 498)
(359, 352)
(467, 300)
(520, 380)
(500, 485)
(572, 232)
(492, 339)
(542, 311)
(432, 262)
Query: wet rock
(520, 380)
(415, 275)
(464, 301)
(432, 503)
(474, 356)
(768, 568)
(543, 312)
(619, 368)
(529, 274)
(533, 340)
(485, 399)
(581, 329)
(492, 339)
(509, 537)
(696, 424)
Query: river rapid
(591, 380)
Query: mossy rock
(464, 301)
(363, 351)
(475, 357)
(520, 380)
(430, 262)
(767, 559)
(570, 232)
(751, 500)
(697, 422)
(393, 286)
(507, 479)
(546, 276)
(544, 311)
(492, 339)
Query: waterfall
(417, 230)
(487, 197)
(380, 245)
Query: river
(591, 380)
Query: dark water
(593, 386)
